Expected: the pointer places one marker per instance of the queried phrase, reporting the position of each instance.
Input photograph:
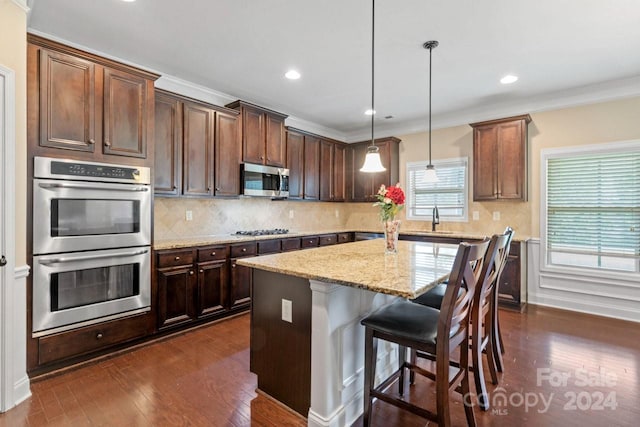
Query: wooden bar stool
(484, 319)
(436, 332)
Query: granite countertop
(218, 239)
(416, 268)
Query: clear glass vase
(391, 231)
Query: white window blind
(449, 193)
(593, 210)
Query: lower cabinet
(212, 288)
(176, 295)
(511, 290)
(240, 289)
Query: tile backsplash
(226, 216)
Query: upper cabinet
(198, 151)
(364, 185)
(168, 145)
(295, 163)
(500, 159)
(311, 167)
(91, 106)
(263, 134)
(332, 171)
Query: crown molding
(575, 97)
(315, 128)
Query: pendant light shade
(430, 174)
(372, 162)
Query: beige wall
(590, 124)
(596, 123)
(13, 54)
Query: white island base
(337, 352)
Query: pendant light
(430, 174)
(372, 162)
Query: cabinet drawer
(212, 253)
(309, 242)
(174, 258)
(91, 338)
(291, 244)
(344, 238)
(268, 246)
(243, 249)
(328, 239)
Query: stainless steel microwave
(266, 181)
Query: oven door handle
(59, 260)
(89, 187)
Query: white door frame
(14, 383)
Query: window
(449, 193)
(592, 207)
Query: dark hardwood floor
(561, 369)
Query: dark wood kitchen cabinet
(332, 171)
(198, 148)
(365, 185)
(213, 280)
(167, 171)
(91, 106)
(263, 134)
(512, 289)
(295, 163)
(311, 167)
(228, 154)
(176, 285)
(240, 287)
(500, 159)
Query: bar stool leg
(476, 361)
(402, 356)
(370, 355)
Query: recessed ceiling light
(508, 79)
(292, 75)
(370, 112)
(128, 1)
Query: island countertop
(416, 268)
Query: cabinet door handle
(92, 141)
(233, 265)
(191, 273)
(177, 258)
(201, 271)
(244, 249)
(107, 143)
(175, 188)
(213, 254)
(99, 336)
(217, 188)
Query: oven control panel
(45, 167)
(89, 170)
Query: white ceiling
(565, 52)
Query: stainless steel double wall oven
(91, 243)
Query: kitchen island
(307, 344)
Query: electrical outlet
(496, 215)
(476, 215)
(189, 215)
(290, 213)
(337, 213)
(286, 311)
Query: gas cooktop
(262, 232)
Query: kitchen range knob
(99, 336)
(177, 258)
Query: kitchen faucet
(435, 218)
